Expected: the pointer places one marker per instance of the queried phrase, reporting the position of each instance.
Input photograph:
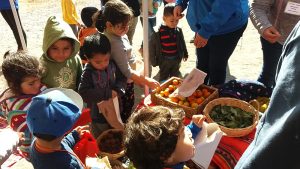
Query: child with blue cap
(51, 115)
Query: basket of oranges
(193, 104)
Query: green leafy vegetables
(231, 117)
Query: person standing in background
(274, 20)
(70, 14)
(135, 7)
(7, 14)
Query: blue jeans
(271, 55)
(213, 58)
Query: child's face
(60, 51)
(119, 29)
(100, 61)
(185, 148)
(31, 85)
(170, 21)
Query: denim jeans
(271, 55)
(213, 58)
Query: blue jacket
(277, 138)
(4, 4)
(215, 17)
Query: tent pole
(145, 42)
(17, 20)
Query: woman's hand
(178, 12)
(271, 34)
(199, 41)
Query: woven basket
(109, 155)
(226, 101)
(189, 111)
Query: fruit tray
(193, 104)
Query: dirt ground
(245, 62)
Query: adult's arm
(258, 14)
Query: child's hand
(152, 83)
(82, 129)
(198, 119)
(114, 94)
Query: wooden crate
(189, 111)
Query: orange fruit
(175, 82)
(206, 94)
(186, 104)
(180, 102)
(191, 98)
(198, 93)
(171, 88)
(199, 100)
(194, 105)
(166, 92)
(161, 93)
(174, 99)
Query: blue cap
(53, 112)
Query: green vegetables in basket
(231, 117)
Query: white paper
(190, 83)
(206, 146)
(292, 8)
(117, 109)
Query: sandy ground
(244, 63)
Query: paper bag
(190, 84)
(97, 163)
(111, 111)
(206, 144)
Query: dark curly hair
(17, 66)
(115, 12)
(151, 136)
(94, 44)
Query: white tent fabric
(145, 42)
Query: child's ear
(108, 25)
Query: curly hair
(18, 65)
(115, 12)
(151, 136)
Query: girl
(22, 73)
(114, 20)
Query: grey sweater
(267, 13)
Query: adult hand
(178, 12)
(198, 119)
(199, 41)
(271, 34)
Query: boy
(168, 46)
(89, 29)
(62, 66)
(50, 116)
(101, 80)
(159, 135)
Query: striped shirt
(168, 42)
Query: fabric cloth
(53, 113)
(277, 136)
(4, 5)
(213, 58)
(84, 32)
(215, 17)
(97, 85)
(267, 13)
(69, 11)
(60, 74)
(127, 102)
(57, 159)
(14, 109)
(122, 53)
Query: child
(22, 74)
(70, 15)
(159, 135)
(89, 29)
(168, 46)
(62, 65)
(50, 116)
(100, 81)
(115, 19)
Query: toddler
(101, 80)
(22, 74)
(62, 66)
(168, 46)
(158, 133)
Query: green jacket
(60, 74)
(155, 55)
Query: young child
(158, 133)
(22, 74)
(89, 29)
(62, 66)
(168, 46)
(50, 116)
(70, 15)
(101, 80)
(115, 19)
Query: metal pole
(17, 20)
(145, 42)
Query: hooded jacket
(60, 74)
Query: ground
(244, 63)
